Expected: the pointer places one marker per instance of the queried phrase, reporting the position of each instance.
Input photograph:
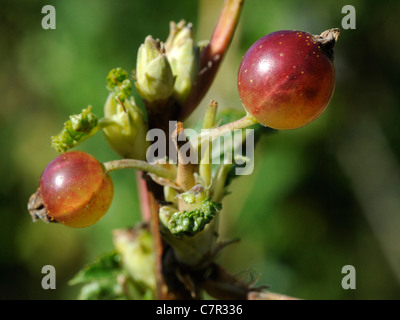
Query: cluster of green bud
(78, 128)
(125, 128)
(196, 211)
(165, 70)
(189, 223)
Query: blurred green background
(321, 197)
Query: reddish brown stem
(212, 55)
(158, 118)
(161, 290)
(143, 197)
(149, 210)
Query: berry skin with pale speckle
(75, 189)
(286, 79)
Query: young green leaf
(78, 128)
(104, 289)
(106, 266)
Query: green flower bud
(127, 130)
(193, 198)
(78, 128)
(170, 194)
(183, 55)
(155, 81)
(165, 213)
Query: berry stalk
(205, 162)
(211, 134)
(167, 171)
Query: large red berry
(287, 78)
(75, 189)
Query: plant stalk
(167, 171)
(207, 136)
(213, 54)
(205, 162)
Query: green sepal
(78, 128)
(127, 132)
(192, 198)
(184, 58)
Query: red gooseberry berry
(75, 189)
(287, 78)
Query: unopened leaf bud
(78, 128)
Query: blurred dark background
(321, 197)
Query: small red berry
(287, 78)
(75, 189)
